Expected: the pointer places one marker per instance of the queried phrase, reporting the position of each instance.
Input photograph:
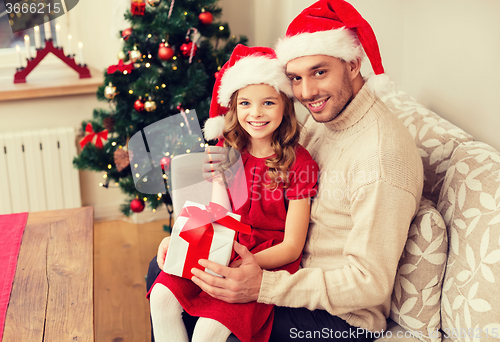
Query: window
(9, 57)
(8, 39)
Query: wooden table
(52, 293)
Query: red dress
(265, 212)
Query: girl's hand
(213, 156)
(162, 252)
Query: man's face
(322, 84)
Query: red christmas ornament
(126, 33)
(138, 7)
(216, 74)
(139, 105)
(179, 106)
(187, 47)
(206, 17)
(137, 205)
(165, 163)
(165, 52)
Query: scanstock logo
(181, 139)
(25, 14)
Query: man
(369, 189)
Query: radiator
(36, 171)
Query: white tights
(166, 314)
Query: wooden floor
(122, 252)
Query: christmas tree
(168, 65)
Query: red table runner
(11, 234)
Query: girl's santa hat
(246, 66)
(332, 28)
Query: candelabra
(20, 76)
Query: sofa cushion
(416, 297)
(435, 137)
(470, 205)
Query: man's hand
(213, 156)
(238, 285)
(162, 252)
(236, 263)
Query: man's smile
(317, 105)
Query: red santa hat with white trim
(246, 66)
(333, 28)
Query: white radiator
(36, 171)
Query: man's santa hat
(246, 66)
(332, 28)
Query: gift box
(201, 232)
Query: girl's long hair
(285, 139)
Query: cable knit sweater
(370, 185)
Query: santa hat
(332, 28)
(246, 66)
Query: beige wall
(240, 14)
(445, 53)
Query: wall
(98, 24)
(444, 53)
(240, 14)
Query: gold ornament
(153, 3)
(135, 55)
(121, 55)
(110, 91)
(150, 105)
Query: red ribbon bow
(121, 67)
(198, 231)
(100, 137)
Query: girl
(281, 178)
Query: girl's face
(260, 111)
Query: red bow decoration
(198, 231)
(90, 135)
(121, 67)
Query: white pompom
(380, 85)
(214, 127)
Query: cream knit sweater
(370, 184)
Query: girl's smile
(258, 124)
